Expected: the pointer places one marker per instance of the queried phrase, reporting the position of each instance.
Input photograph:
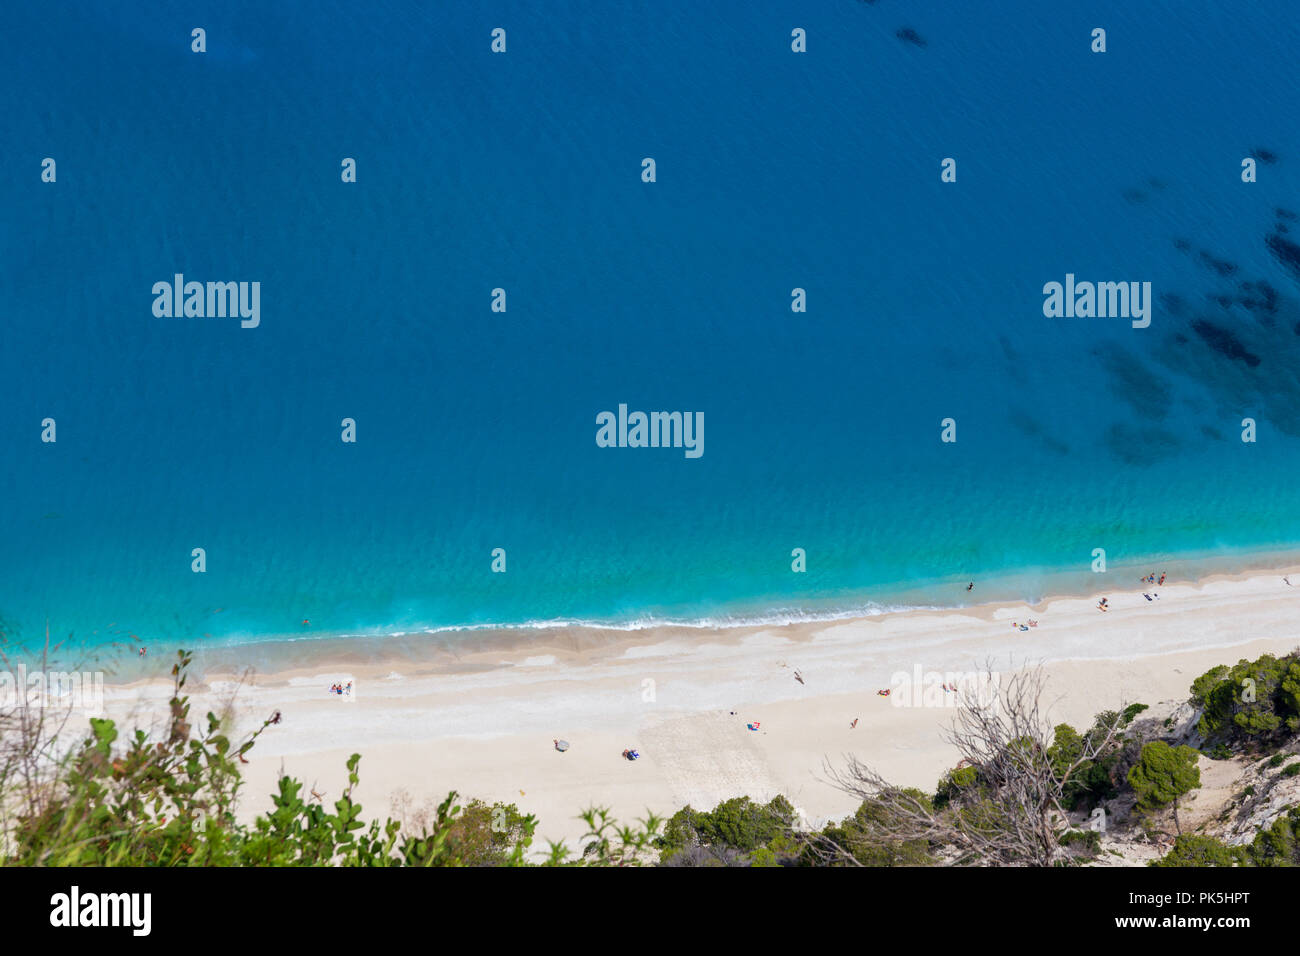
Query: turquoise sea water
(775, 170)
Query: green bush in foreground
(867, 838)
(729, 833)
(1163, 774)
(1279, 845)
(171, 802)
(1195, 850)
(1252, 703)
(1095, 779)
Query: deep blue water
(775, 170)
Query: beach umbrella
(561, 745)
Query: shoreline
(481, 719)
(453, 647)
(437, 652)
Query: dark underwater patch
(1286, 214)
(908, 35)
(1222, 266)
(1224, 342)
(1212, 433)
(1265, 156)
(1140, 446)
(1182, 245)
(1009, 350)
(1285, 251)
(1258, 297)
(1173, 303)
(1135, 383)
(1034, 429)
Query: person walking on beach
(1162, 577)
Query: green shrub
(1163, 774)
(1252, 703)
(865, 838)
(1279, 845)
(1196, 850)
(170, 802)
(738, 824)
(1131, 711)
(1094, 780)
(959, 782)
(1087, 839)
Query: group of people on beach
(342, 689)
(1151, 596)
(1151, 579)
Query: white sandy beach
(482, 722)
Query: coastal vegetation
(1022, 793)
(170, 801)
(1278, 845)
(1251, 706)
(1162, 775)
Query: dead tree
(1008, 807)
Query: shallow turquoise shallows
(522, 171)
